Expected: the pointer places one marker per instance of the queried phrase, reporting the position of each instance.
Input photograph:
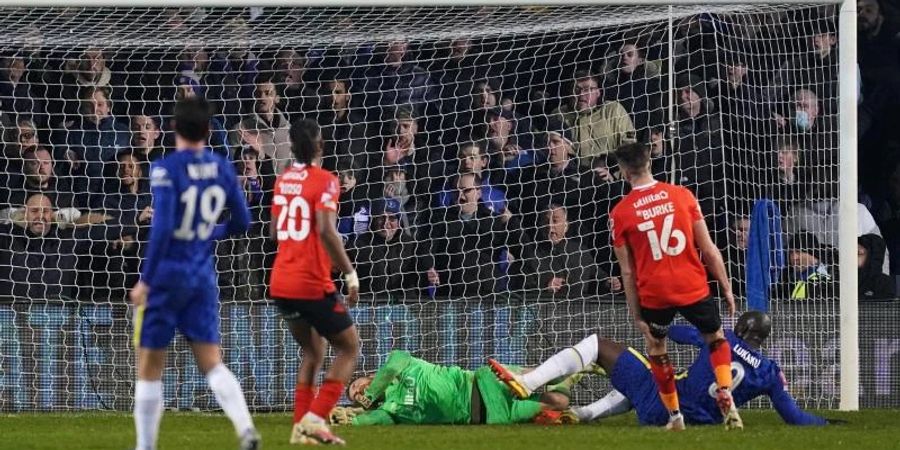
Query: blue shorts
(192, 310)
(631, 376)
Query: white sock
(566, 362)
(230, 397)
(314, 418)
(612, 404)
(148, 409)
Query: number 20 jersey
(302, 268)
(656, 222)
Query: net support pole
(847, 212)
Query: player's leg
(199, 322)
(568, 361)
(660, 365)
(613, 403)
(313, 347)
(705, 316)
(154, 328)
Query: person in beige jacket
(599, 127)
(270, 126)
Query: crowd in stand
(467, 168)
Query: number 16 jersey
(656, 222)
(302, 268)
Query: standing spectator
(599, 127)
(405, 147)
(467, 241)
(16, 93)
(271, 125)
(510, 144)
(396, 82)
(39, 177)
(353, 212)
(37, 258)
(736, 256)
(218, 135)
(636, 86)
(456, 75)
(559, 264)
(817, 135)
(788, 183)
(873, 283)
(660, 153)
(878, 45)
(343, 129)
(94, 139)
(388, 257)
(743, 104)
(817, 68)
(146, 138)
(559, 180)
(296, 98)
(473, 159)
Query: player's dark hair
(192, 117)
(304, 140)
(633, 156)
(753, 327)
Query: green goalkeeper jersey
(418, 392)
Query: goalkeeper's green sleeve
(396, 362)
(376, 417)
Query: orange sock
(720, 359)
(328, 396)
(303, 397)
(664, 374)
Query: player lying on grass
(629, 371)
(408, 390)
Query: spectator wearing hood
(873, 283)
(808, 274)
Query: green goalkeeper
(408, 390)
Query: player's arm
(629, 282)
(787, 407)
(686, 335)
(162, 225)
(326, 225)
(375, 417)
(396, 362)
(712, 257)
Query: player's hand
(352, 296)
(138, 294)
(146, 214)
(642, 326)
(729, 299)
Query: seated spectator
(353, 213)
(16, 93)
(467, 241)
(17, 138)
(873, 283)
(396, 82)
(636, 86)
(388, 258)
(37, 257)
(146, 137)
(396, 189)
(599, 126)
(94, 139)
(295, 97)
(808, 274)
(39, 177)
(270, 125)
(558, 264)
(343, 130)
(473, 159)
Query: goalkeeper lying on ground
(408, 390)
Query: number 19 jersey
(656, 222)
(302, 268)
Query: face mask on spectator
(801, 119)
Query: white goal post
(461, 319)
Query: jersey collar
(645, 186)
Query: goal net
(473, 149)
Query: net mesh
(413, 102)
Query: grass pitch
(872, 429)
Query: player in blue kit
(192, 188)
(753, 373)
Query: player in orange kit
(304, 209)
(657, 230)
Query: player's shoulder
(161, 171)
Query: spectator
(406, 148)
(808, 273)
(271, 125)
(396, 190)
(37, 258)
(456, 74)
(817, 69)
(888, 215)
(218, 135)
(296, 97)
(743, 104)
(599, 127)
(558, 264)
(232, 78)
(343, 130)
(660, 153)
(396, 82)
(17, 137)
(467, 241)
(388, 257)
(878, 46)
(873, 283)
(16, 93)
(473, 159)
(94, 139)
(354, 214)
(510, 146)
(81, 77)
(788, 184)
(560, 179)
(39, 177)
(635, 85)
(146, 137)
(736, 256)
(470, 121)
